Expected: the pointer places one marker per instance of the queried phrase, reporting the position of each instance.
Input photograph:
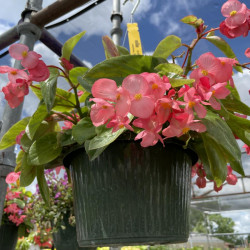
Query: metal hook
(135, 7)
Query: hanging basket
(8, 236)
(131, 195)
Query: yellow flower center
(155, 86)
(223, 63)
(165, 105)
(233, 13)
(213, 92)
(185, 130)
(191, 104)
(104, 107)
(13, 72)
(204, 72)
(118, 96)
(138, 97)
(121, 126)
(24, 53)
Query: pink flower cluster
(14, 212)
(237, 22)
(201, 180)
(153, 101)
(20, 79)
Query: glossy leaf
(44, 150)
(109, 47)
(94, 153)
(223, 46)
(66, 138)
(83, 130)
(167, 46)
(28, 173)
(9, 138)
(117, 68)
(19, 160)
(122, 50)
(166, 68)
(70, 44)
(75, 72)
(178, 82)
(218, 130)
(48, 88)
(64, 100)
(43, 186)
(36, 120)
(105, 138)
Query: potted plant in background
(15, 222)
(55, 223)
(131, 126)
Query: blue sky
(156, 19)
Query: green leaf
(189, 19)
(28, 173)
(83, 97)
(64, 100)
(218, 130)
(105, 138)
(222, 45)
(216, 159)
(26, 142)
(117, 68)
(28, 193)
(94, 153)
(43, 186)
(178, 82)
(122, 50)
(66, 138)
(166, 68)
(9, 138)
(36, 120)
(44, 150)
(75, 72)
(19, 160)
(167, 46)
(70, 44)
(83, 130)
(48, 88)
(19, 202)
(109, 47)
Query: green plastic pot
(8, 236)
(65, 239)
(131, 195)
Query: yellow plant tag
(134, 39)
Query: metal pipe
(29, 34)
(8, 37)
(54, 11)
(52, 43)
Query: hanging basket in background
(131, 195)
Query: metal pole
(29, 34)
(8, 37)
(52, 43)
(54, 11)
(116, 19)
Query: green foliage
(43, 186)
(109, 47)
(75, 73)
(167, 46)
(192, 20)
(70, 44)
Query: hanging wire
(4, 53)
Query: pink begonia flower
(69, 124)
(231, 179)
(247, 148)
(142, 105)
(181, 123)
(19, 137)
(247, 52)
(235, 13)
(12, 195)
(193, 101)
(101, 111)
(216, 188)
(14, 74)
(12, 208)
(29, 59)
(150, 136)
(201, 182)
(157, 86)
(13, 100)
(12, 177)
(80, 93)
(40, 72)
(66, 64)
(119, 122)
(166, 105)
(107, 89)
